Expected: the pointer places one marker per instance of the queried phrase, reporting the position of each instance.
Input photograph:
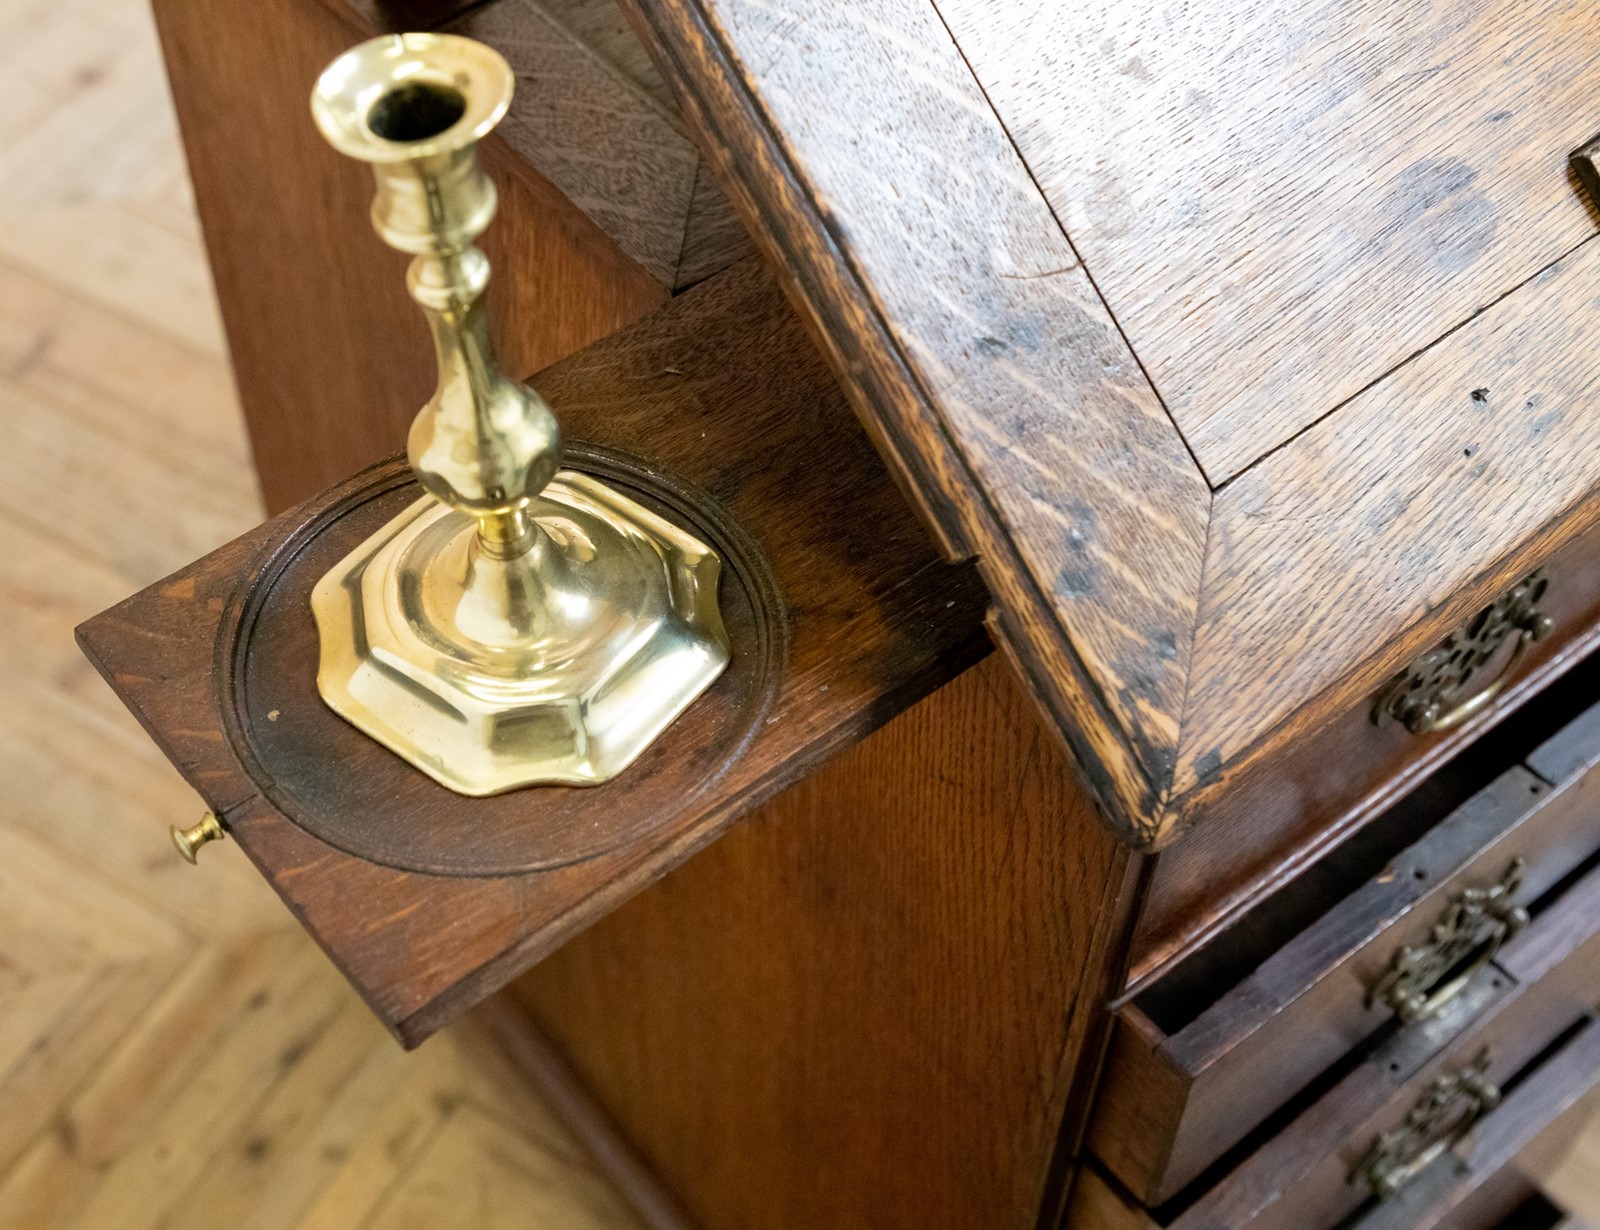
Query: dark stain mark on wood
(1208, 768)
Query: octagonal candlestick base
(420, 653)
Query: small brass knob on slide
(520, 623)
(188, 841)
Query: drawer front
(1308, 799)
(1178, 1093)
(1397, 1121)
(1472, 1186)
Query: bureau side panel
(867, 1004)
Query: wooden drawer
(1295, 809)
(1508, 1201)
(1468, 1187)
(1200, 1058)
(1524, 1023)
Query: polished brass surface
(518, 624)
(1431, 693)
(1423, 978)
(1448, 1108)
(188, 841)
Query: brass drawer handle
(1423, 978)
(1422, 697)
(188, 841)
(1443, 1114)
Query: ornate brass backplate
(1422, 978)
(1443, 1114)
(1432, 691)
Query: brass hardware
(188, 841)
(1423, 978)
(1424, 695)
(517, 624)
(1443, 1115)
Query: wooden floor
(174, 1053)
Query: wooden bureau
(1229, 367)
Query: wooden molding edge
(1130, 781)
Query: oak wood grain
(866, 1005)
(593, 116)
(713, 237)
(1281, 202)
(1543, 983)
(612, 151)
(962, 322)
(1328, 788)
(239, 1182)
(1097, 1205)
(1012, 407)
(722, 389)
(1338, 558)
(600, 26)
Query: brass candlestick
(517, 624)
